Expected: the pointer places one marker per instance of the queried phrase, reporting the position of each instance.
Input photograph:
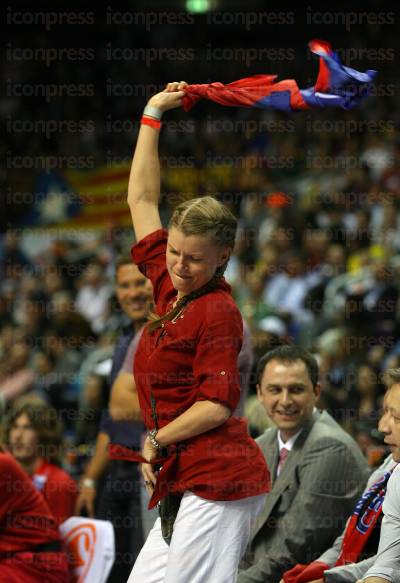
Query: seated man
(30, 546)
(317, 469)
(386, 566)
(344, 562)
(33, 436)
(354, 551)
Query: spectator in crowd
(16, 376)
(33, 436)
(13, 261)
(354, 551)
(30, 546)
(386, 566)
(68, 323)
(7, 337)
(93, 296)
(286, 291)
(336, 367)
(371, 303)
(119, 499)
(251, 302)
(364, 402)
(52, 282)
(64, 351)
(317, 469)
(390, 181)
(93, 400)
(32, 316)
(47, 384)
(365, 392)
(60, 386)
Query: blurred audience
(92, 297)
(16, 376)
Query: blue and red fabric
(336, 86)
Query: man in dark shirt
(119, 500)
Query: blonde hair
(207, 217)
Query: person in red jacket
(33, 437)
(198, 459)
(30, 546)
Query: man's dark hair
(290, 353)
(123, 259)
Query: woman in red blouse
(187, 379)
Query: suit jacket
(309, 502)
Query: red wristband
(150, 121)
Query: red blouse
(193, 359)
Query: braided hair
(208, 217)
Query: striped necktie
(283, 453)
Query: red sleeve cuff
(305, 573)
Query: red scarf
(361, 524)
(336, 86)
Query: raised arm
(144, 179)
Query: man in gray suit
(317, 469)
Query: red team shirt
(189, 360)
(58, 488)
(26, 523)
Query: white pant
(208, 542)
(148, 516)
